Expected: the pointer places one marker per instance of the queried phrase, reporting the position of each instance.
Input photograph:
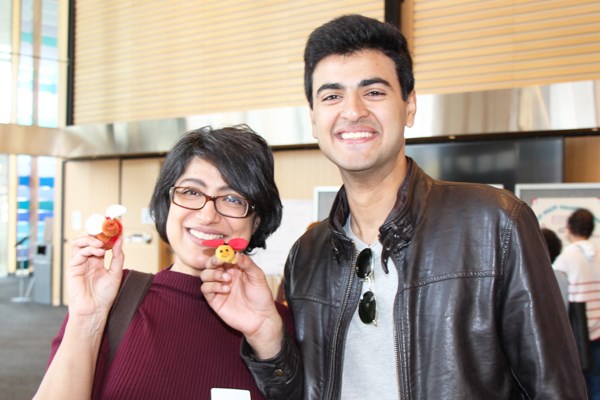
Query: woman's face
(186, 229)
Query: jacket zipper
(336, 334)
(402, 372)
(399, 371)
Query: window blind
(465, 45)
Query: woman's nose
(208, 213)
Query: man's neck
(371, 199)
(575, 238)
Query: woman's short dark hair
(245, 161)
(350, 34)
(581, 223)
(553, 243)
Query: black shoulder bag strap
(578, 319)
(128, 299)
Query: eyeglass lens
(193, 199)
(367, 307)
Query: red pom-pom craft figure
(106, 227)
(226, 251)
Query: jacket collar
(398, 228)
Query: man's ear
(312, 123)
(411, 109)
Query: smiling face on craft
(186, 229)
(358, 113)
(225, 253)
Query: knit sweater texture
(175, 347)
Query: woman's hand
(92, 291)
(93, 287)
(240, 295)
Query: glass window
(5, 61)
(25, 79)
(23, 210)
(48, 72)
(35, 99)
(5, 93)
(46, 167)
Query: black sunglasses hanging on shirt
(367, 307)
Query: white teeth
(356, 135)
(205, 236)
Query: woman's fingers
(118, 257)
(118, 246)
(82, 255)
(212, 288)
(86, 240)
(215, 280)
(117, 260)
(87, 251)
(215, 275)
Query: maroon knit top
(176, 347)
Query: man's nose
(354, 108)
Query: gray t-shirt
(370, 370)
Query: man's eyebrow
(329, 86)
(374, 81)
(363, 83)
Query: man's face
(358, 115)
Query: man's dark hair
(245, 161)
(581, 223)
(553, 242)
(350, 34)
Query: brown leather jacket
(478, 310)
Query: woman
(214, 184)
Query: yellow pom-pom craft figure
(227, 251)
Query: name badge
(229, 394)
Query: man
(413, 288)
(580, 260)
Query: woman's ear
(255, 224)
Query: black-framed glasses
(228, 205)
(367, 306)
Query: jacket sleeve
(536, 332)
(280, 377)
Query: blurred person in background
(554, 248)
(580, 260)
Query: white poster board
(323, 198)
(553, 203)
(297, 215)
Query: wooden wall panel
(162, 59)
(142, 245)
(582, 161)
(298, 172)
